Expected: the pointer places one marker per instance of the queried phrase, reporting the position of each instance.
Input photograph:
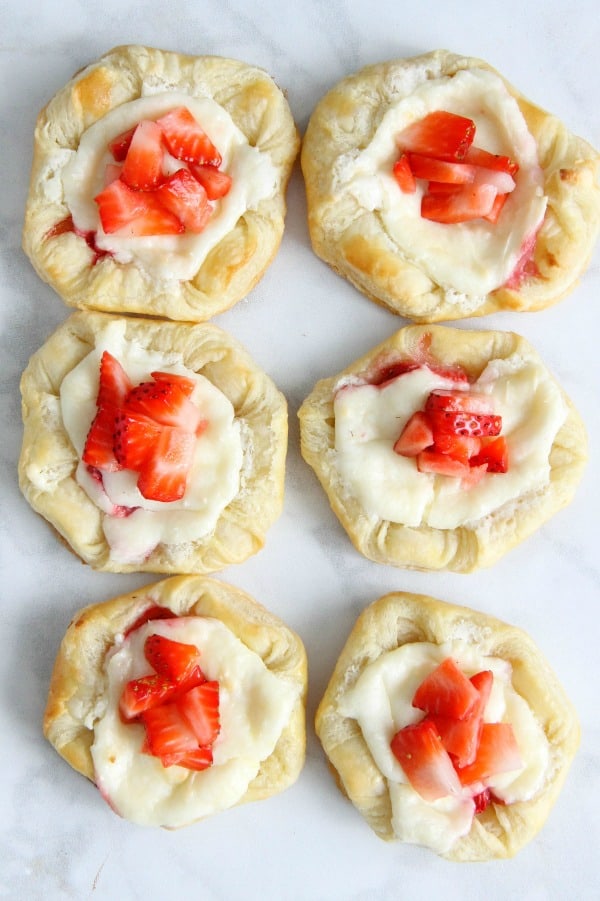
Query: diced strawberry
(477, 425)
(460, 447)
(473, 476)
(120, 145)
(200, 707)
(460, 737)
(185, 384)
(493, 453)
(186, 140)
(142, 169)
(473, 202)
(143, 694)
(215, 181)
(168, 734)
(98, 450)
(496, 161)
(199, 759)
(425, 761)
(463, 401)
(185, 197)
(441, 134)
(151, 613)
(403, 175)
(114, 383)
(436, 463)
(132, 213)
(496, 209)
(439, 170)
(134, 436)
(175, 660)
(163, 476)
(441, 187)
(497, 753)
(415, 436)
(446, 691)
(501, 181)
(166, 401)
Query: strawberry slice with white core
(497, 753)
(496, 161)
(143, 694)
(461, 737)
(473, 202)
(494, 454)
(440, 134)
(185, 197)
(167, 402)
(120, 145)
(460, 447)
(415, 436)
(462, 401)
(98, 450)
(426, 763)
(185, 384)
(168, 734)
(186, 140)
(163, 476)
(442, 171)
(134, 214)
(199, 759)
(142, 168)
(174, 660)
(200, 707)
(476, 425)
(215, 181)
(446, 691)
(133, 437)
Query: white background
(57, 837)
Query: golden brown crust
(399, 618)
(78, 680)
(468, 547)
(356, 244)
(259, 109)
(48, 460)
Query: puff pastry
(400, 619)
(77, 695)
(234, 257)
(463, 536)
(49, 461)
(353, 203)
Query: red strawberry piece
(168, 734)
(501, 181)
(482, 800)
(185, 384)
(151, 613)
(120, 145)
(473, 202)
(215, 181)
(403, 174)
(166, 401)
(134, 437)
(443, 187)
(436, 463)
(464, 401)
(437, 170)
(175, 660)
(425, 761)
(130, 213)
(460, 447)
(446, 691)
(495, 161)
(186, 140)
(143, 694)
(461, 737)
(200, 707)
(497, 753)
(444, 135)
(142, 168)
(494, 454)
(477, 425)
(185, 197)
(415, 436)
(199, 759)
(114, 383)
(163, 476)
(98, 450)
(497, 208)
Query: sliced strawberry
(166, 401)
(473, 202)
(436, 463)
(174, 660)
(494, 454)
(415, 436)
(164, 474)
(132, 213)
(461, 737)
(199, 759)
(168, 734)
(98, 450)
(215, 181)
(446, 691)
(403, 174)
(151, 613)
(185, 197)
(425, 761)
(142, 169)
(497, 753)
(476, 425)
(439, 170)
(501, 181)
(200, 707)
(441, 134)
(497, 207)
(460, 447)
(114, 383)
(495, 161)
(186, 140)
(134, 436)
(143, 694)
(443, 187)
(463, 401)
(120, 145)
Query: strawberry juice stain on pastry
(440, 192)
(158, 183)
(442, 449)
(154, 458)
(447, 728)
(167, 700)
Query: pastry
(443, 448)
(217, 718)
(446, 728)
(440, 192)
(152, 446)
(179, 220)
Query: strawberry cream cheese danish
(179, 701)
(440, 192)
(152, 446)
(442, 449)
(447, 728)
(158, 183)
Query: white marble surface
(58, 839)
